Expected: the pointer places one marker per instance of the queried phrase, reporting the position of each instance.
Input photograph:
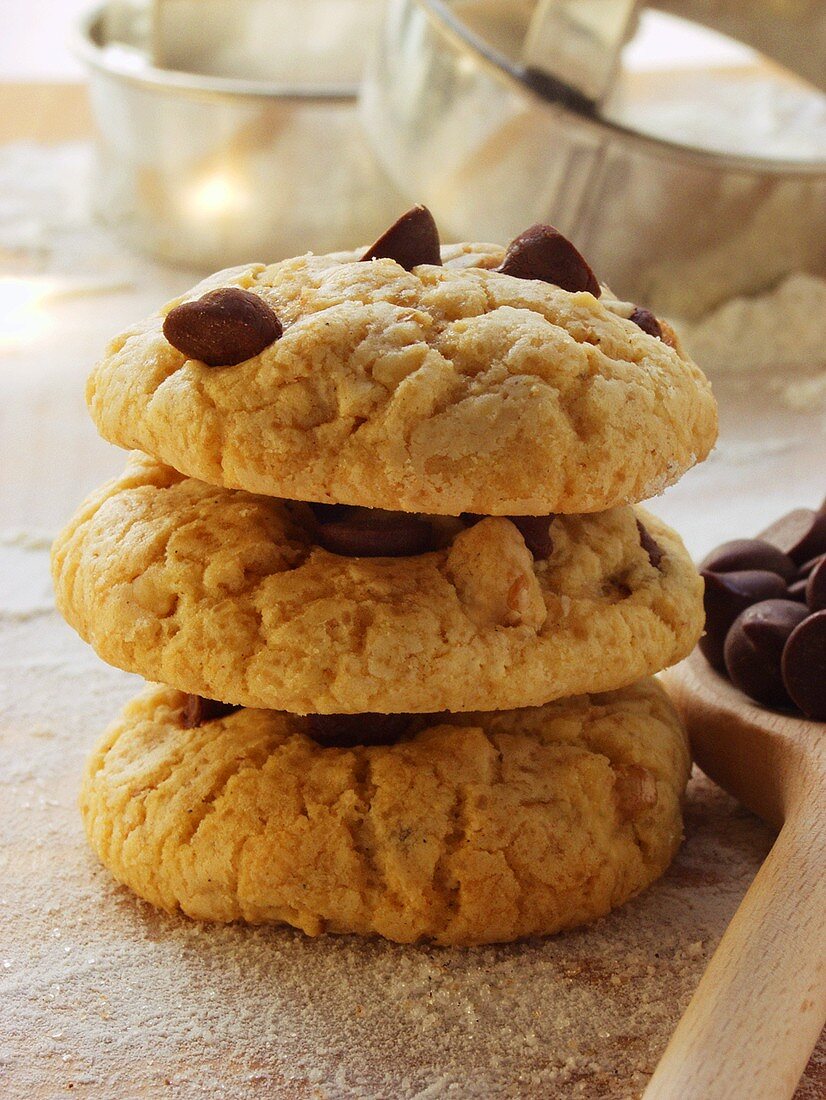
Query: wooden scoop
(755, 1018)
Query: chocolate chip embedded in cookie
(441, 390)
(198, 710)
(650, 545)
(541, 252)
(535, 530)
(348, 730)
(476, 828)
(222, 328)
(230, 596)
(645, 319)
(412, 240)
(370, 533)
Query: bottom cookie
(474, 828)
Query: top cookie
(441, 389)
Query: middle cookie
(234, 597)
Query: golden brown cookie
(441, 389)
(228, 595)
(477, 828)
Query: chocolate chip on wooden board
(805, 570)
(804, 666)
(816, 586)
(541, 252)
(197, 711)
(372, 533)
(774, 648)
(411, 240)
(740, 554)
(222, 328)
(801, 534)
(754, 649)
(726, 596)
(797, 588)
(345, 731)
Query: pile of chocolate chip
(765, 602)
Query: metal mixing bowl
(460, 126)
(209, 171)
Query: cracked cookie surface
(227, 595)
(478, 828)
(443, 390)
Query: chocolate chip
(754, 648)
(326, 513)
(801, 534)
(797, 590)
(726, 596)
(347, 730)
(805, 570)
(541, 252)
(411, 240)
(197, 711)
(816, 587)
(223, 327)
(650, 545)
(536, 531)
(370, 533)
(645, 319)
(804, 666)
(740, 554)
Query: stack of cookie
(379, 540)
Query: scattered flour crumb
(26, 540)
(25, 614)
(806, 394)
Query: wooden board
(757, 1013)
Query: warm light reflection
(217, 195)
(22, 314)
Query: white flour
(781, 332)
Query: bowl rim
(455, 31)
(88, 49)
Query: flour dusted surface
(102, 996)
